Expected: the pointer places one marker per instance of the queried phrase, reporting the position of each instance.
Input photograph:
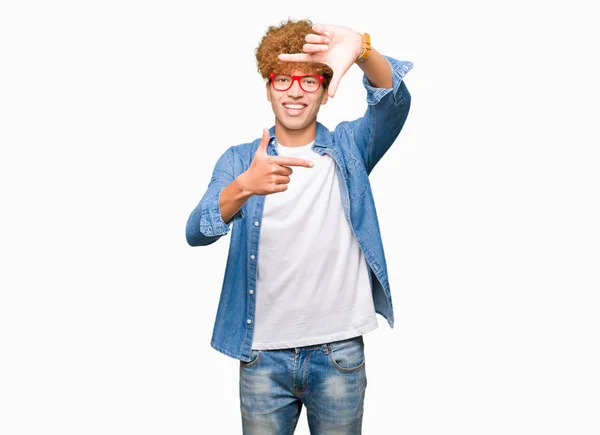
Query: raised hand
(270, 174)
(335, 46)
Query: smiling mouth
(294, 108)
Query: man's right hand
(269, 174)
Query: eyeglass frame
(294, 78)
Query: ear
(268, 88)
(325, 96)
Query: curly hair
(288, 37)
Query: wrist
(243, 187)
(365, 52)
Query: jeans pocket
(347, 355)
(254, 357)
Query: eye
(309, 80)
(282, 79)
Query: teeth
(294, 106)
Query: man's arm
(206, 223)
(233, 198)
(226, 195)
(387, 95)
(377, 70)
(386, 112)
(383, 121)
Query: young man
(306, 270)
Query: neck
(295, 138)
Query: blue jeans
(329, 379)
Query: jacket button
(256, 223)
(249, 321)
(250, 291)
(252, 257)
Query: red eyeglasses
(308, 83)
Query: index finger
(292, 161)
(295, 57)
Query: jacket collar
(322, 139)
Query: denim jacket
(356, 147)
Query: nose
(295, 90)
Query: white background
(112, 115)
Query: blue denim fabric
(329, 379)
(356, 146)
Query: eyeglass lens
(282, 82)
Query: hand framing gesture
(270, 174)
(335, 46)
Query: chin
(299, 125)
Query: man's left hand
(335, 46)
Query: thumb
(262, 147)
(265, 140)
(333, 85)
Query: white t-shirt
(313, 283)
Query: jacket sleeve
(386, 113)
(205, 224)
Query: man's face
(296, 109)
